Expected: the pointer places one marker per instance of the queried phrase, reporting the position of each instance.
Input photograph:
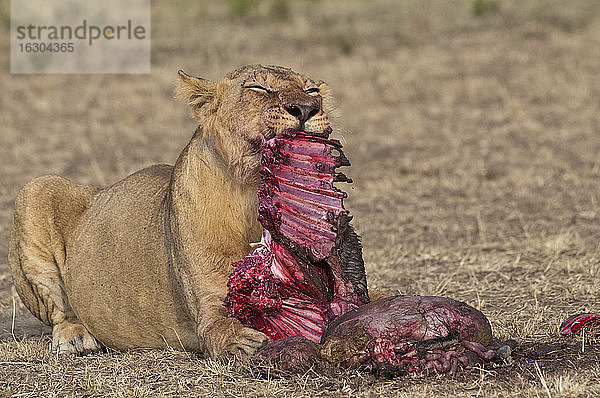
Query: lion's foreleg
(218, 334)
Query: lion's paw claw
(73, 338)
(246, 342)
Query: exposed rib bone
(284, 287)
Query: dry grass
(474, 137)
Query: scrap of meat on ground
(579, 322)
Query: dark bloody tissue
(304, 283)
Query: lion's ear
(194, 90)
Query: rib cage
(293, 282)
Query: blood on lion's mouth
(271, 133)
(268, 134)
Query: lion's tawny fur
(145, 262)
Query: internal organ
(394, 335)
(298, 277)
(408, 334)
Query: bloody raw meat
(409, 333)
(308, 267)
(575, 323)
(394, 335)
(304, 283)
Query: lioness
(145, 262)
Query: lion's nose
(302, 112)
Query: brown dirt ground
(475, 141)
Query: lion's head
(251, 104)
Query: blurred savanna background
(473, 127)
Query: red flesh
(394, 335)
(292, 283)
(414, 333)
(298, 203)
(575, 323)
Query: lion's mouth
(271, 133)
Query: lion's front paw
(230, 338)
(246, 342)
(73, 338)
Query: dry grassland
(474, 132)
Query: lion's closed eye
(258, 88)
